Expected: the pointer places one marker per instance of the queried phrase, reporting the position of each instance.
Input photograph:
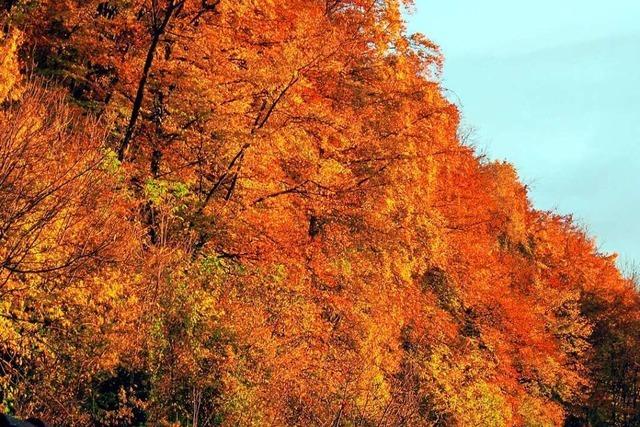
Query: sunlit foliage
(262, 213)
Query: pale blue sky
(553, 86)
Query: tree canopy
(263, 212)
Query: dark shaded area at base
(9, 421)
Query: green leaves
(172, 195)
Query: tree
(258, 212)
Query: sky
(552, 86)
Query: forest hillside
(263, 212)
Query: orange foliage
(261, 213)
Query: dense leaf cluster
(262, 212)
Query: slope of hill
(573, 151)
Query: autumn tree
(263, 213)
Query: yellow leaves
(297, 99)
(486, 406)
(8, 332)
(10, 88)
(390, 204)
(332, 173)
(463, 390)
(535, 413)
